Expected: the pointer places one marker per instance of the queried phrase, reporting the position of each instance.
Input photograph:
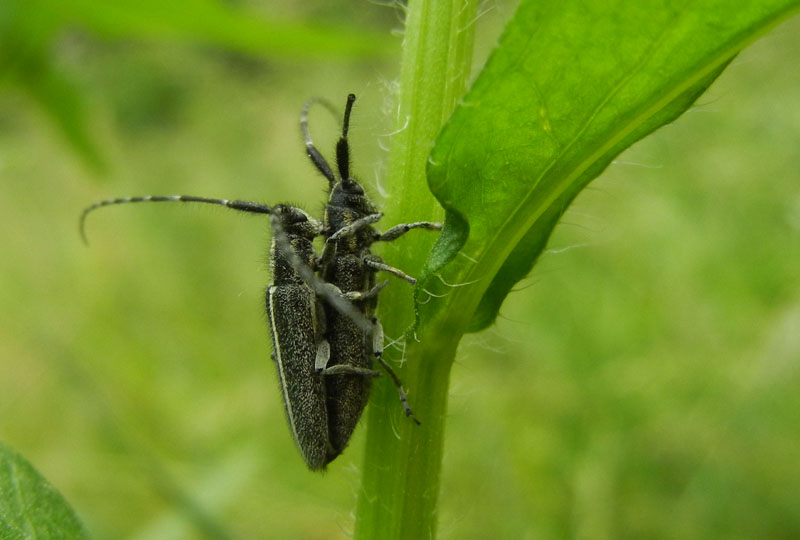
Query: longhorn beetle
(347, 263)
(321, 307)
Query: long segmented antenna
(316, 157)
(342, 146)
(329, 292)
(242, 206)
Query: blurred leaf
(214, 23)
(62, 102)
(29, 506)
(26, 35)
(29, 30)
(571, 85)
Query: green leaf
(571, 85)
(29, 506)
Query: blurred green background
(641, 383)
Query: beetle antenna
(242, 206)
(313, 154)
(343, 146)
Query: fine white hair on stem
(557, 251)
(637, 164)
(454, 285)
(430, 297)
(483, 9)
(394, 430)
(398, 130)
(380, 173)
(429, 293)
(399, 344)
(470, 259)
(396, 344)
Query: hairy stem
(402, 461)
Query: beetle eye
(352, 187)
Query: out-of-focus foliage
(32, 31)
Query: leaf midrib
(490, 256)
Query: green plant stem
(402, 460)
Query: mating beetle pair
(321, 307)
